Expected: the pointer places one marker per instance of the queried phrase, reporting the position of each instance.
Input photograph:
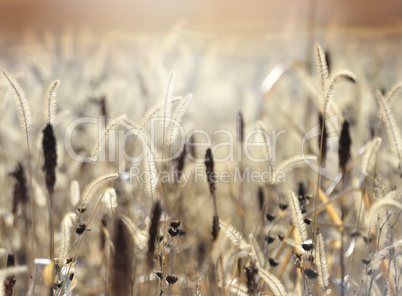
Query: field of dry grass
(140, 180)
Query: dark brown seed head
(81, 228)
(171, 279)
(270, 217)
(215, 228)
(251, 274)
(173, 231)
(307, 246)
(209, 167)
(9, 282)
(273, 262)
(180, 163)
(159, 274)
(153, 232)
(283, 207)
(21, 193)
(240, 127)
(121, 264)
(281, 237)
(261, 198)
(307, 221)
(270, 239)
(345, 142)
(175, 224)
(81, 210)
(50, 157)
(310, 273)
(324, 140)
(102, 233)
(366, 261)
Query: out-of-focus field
(226, 55)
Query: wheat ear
(74, 193)
(321, 262)
(50, 101)
(95, 185)
(67, 226)
(322, 67)
(140, 238)
(168, 105)
(22, 103)
(344, 75)
(390, 125)
(297, 217)
(256, 253)
(394, 89)
(387, 201)
(370, 156)
(289, 164)
(173, 131)
(102, 139)
(379, 257)
(110, 199)
(273, 282)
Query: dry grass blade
(12, 271)
(95, 185)
(297, 217)
(50, 101)
(321, 262)
(370, 156)
(19, 95)
(273, 282)
(390, 125)
(329, 208)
